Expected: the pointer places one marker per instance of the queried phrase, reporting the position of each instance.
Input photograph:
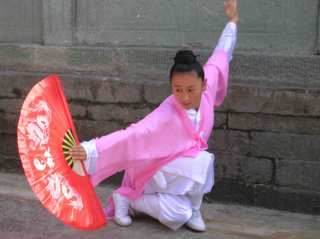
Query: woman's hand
(78, 153)
(231, 11)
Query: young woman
(167, 170)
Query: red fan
(45, 135)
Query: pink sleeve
(148, 142)
(216, 71)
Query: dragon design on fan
(38, 128)
(59, 189)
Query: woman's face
(187, 89)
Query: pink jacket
(162, 136)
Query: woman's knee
(179, 208)
(183, 214)
(174, 210)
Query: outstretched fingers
(225, 6)
(231, 10)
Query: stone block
(232, 191)
(120, 90)
(12, 106)
(274, 123)
(153, 63)
(15, 85)
(59, 22)
(245, 99)
(226, 166)
(102, 89)
(267, 196)
(36, 58)
(220, 120)
(8, 123)
(294, 102)
(8, 146)
(102, 60)
(286, 146)
(229, 141)
(21, 22)
(256, 170)
(88, 129)
(10, 165)
(298, 174)
(275, 70)
(157, 92)
(80, 89)
(318, 34)
(240, 168)
(78, 111)
(112, 112)
(287, 199)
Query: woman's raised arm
(228, 38)
(217, 67)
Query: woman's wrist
(235, 19)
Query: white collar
(194, 116)
(193, 111)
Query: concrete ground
(23, 216)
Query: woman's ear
(204, 85)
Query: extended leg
(148, 204)
(121, 205)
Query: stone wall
(287, 26)
(267, 132)
(265, 139)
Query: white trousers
(172, 205)
(171, 208)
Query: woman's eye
(178, 90)
(191, 90)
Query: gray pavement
(23, 216)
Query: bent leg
(198, 190)
(196, 194)
(174, 210)
(171, 210)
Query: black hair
(186, 61)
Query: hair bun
(184, 57)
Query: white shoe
(195, 222)
(121, 206)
